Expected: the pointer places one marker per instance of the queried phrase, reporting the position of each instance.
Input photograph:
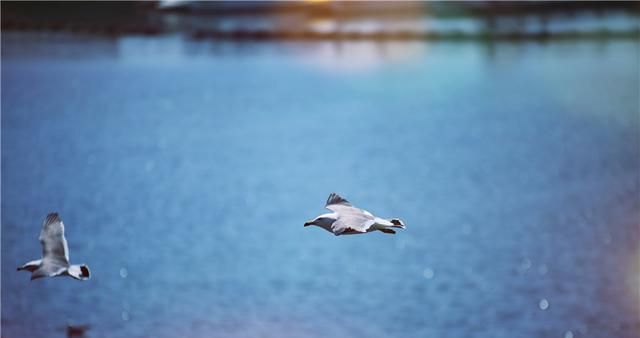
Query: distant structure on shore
(313, 20)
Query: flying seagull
(55, 253)
(349, 220)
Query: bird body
(55, 254)
(345, 219)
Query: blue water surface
(184, 171)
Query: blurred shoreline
(376, 21)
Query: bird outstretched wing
(350, 225)
(54, 246)
(336, 200)
(350, 219)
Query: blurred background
(185, 144)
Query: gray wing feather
(350, 218)
(335, 199)
(53, 269)
(55, 251)
(351, 224)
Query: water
(184, 172)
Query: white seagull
(349, 220)
(55, 253)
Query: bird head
(322, 221)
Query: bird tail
(397, 223)
(80, 272)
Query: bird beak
(308, 223)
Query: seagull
(349, 220)
(55, 253)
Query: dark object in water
(76, 330)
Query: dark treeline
(149, 18)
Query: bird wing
(351, 224)
(341, 206)
(336, 200)
(52, 268)
(350, 218)
(54, 246)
